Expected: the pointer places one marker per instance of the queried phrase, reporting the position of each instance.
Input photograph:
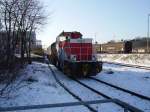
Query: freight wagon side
(117, 47)
(113, 47)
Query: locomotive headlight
(94, 57)
(73, 57)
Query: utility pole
(148, 35)
(95, 37)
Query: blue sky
(107, 19)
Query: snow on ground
(133, 79)
(86, 94)
(36, 85)
(137, 59)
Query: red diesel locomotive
(74, 55)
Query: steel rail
(118, 102)
(71, 93)
(128, 65)
(44, 106)
(122, 89)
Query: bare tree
(20, 18)
(1, 26)
(35, 17)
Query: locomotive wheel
(58, 65)
(100, 67)
(97, 69)
(85, 70)
(66, 69)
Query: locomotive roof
(69, 33)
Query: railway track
(128, 65)
(124, 105)
(118, 102)
(70, 92)
(121, 89)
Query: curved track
(118, 102)
(71, 93)
(128, 65)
